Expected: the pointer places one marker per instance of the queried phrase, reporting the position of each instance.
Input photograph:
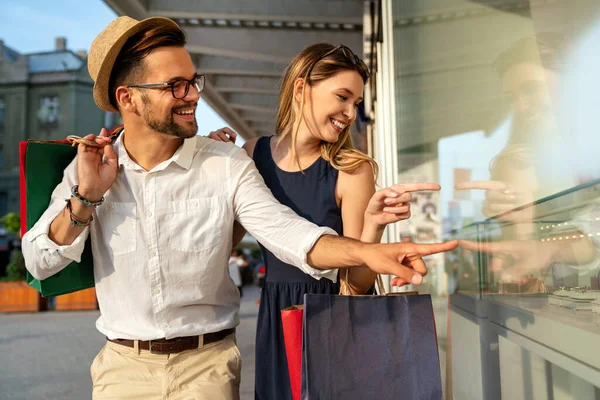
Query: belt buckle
(150, 347)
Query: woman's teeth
(338, 124)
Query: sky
(29, 26)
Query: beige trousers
(211, 372)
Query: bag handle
(75, 140)
(345, 287)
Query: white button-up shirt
(162, 239)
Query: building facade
(42, 96)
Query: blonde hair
(315, 60)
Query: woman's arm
(354, 190)
(365, 213)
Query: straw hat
(106, 48)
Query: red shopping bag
(291, 320)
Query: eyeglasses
(179, 88)
(353, 58)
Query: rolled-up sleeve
(288, 236)
(43, 257)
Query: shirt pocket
(118, 226)
(196, 225)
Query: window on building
(3, 203)
(1, 112)
(48, 112)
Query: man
(159, 203)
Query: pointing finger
(416, 187)
(427, 249)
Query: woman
(311, 166)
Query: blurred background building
(43, 96)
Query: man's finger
(82, 148)
(398, 282)
(415, 187)
(417, 264)
(433, 248)
(482, 185)
(111, 155)
(101, 140)
(405, 273)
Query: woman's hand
(223, 135)
(392, 204)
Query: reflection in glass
(497, 101)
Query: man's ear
(124, 98)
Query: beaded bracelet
(75, 194)
(75, 220)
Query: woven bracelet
(75, 220)
(75, 194)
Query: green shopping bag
(42, 165)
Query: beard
(168, 126)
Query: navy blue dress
(312, 196)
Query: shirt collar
(183, 156)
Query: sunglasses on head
(349, 55)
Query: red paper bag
(291, 320)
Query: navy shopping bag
(369, 347)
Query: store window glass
(497, 101)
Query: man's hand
(402, 260)
(223, 135)
(392, 204)
(95, 175)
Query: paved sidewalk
(48, 355)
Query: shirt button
(149, 214)
(151, 253)
(156, 291)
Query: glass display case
(527, 288)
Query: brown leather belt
(176, 345)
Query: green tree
(12, 223)
(15, 270)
